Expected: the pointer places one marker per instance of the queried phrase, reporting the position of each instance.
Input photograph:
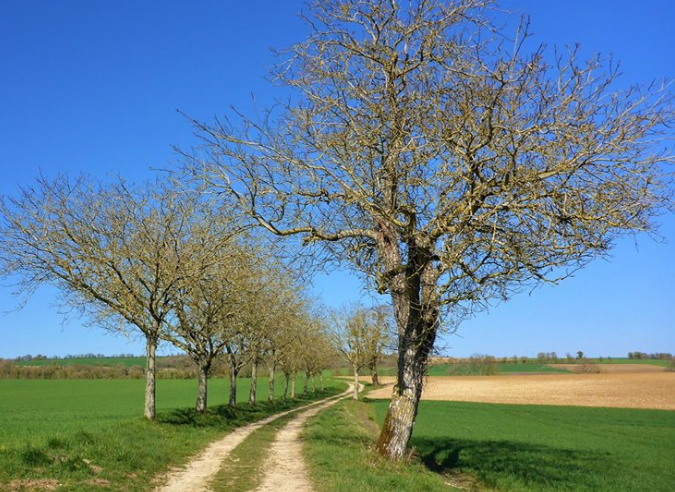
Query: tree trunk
(234, 372)
(272, 368)
(202, 387)
(305, 389)
(398, 424)
(321, 379)
(355, 393)
(254, 383)
(313, 383)
(374, 376)
(150, 374)
(293, 378)
(286, 381)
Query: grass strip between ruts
(243, 469)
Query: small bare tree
(349, 328)
(290, 362)
(378, 338)
(445, 163)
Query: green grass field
(90, 435)
(547, 448)
(509, 448)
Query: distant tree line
(10, 370)
(179, 367)
(29, 357)
(654, 356)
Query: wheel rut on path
(198, 473)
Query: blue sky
(93, 86)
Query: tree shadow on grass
(225, 416)
(528, 466)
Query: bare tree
(378, 338)
(290, 362)
(113, 251)
(349, 328)
(237, 337)
(444, 162)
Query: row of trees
(167, 265)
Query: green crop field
(90, 435)
(509, 448)
(467, 369)
(547, 448)
(88, 361)
(653, 362)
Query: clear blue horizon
(93, 87)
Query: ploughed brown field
(619, 385)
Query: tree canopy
(432, 152)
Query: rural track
(285, 469)
(198, 473)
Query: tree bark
(202, 387)
(374, 376)
(150, 377)
(254, 383)
(305, 389)
(400, 420)
(293, 378)
(272, 369)
(321, 379)
(286, 381)
(355, 393)
(233, 387)
(253, 394)
(313, 383)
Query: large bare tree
(444, 162)
(113, 250)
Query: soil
(33, 484)
(641, 388)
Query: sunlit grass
(91, 435)
(339, 445)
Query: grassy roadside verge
(338, 447)
(88, 435)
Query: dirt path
(285, 469)
(197, 474)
